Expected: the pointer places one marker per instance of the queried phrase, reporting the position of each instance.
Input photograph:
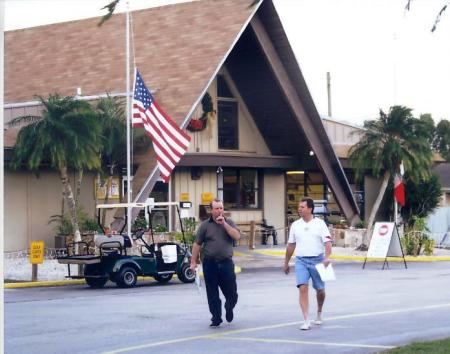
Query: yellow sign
(184, 197)
(114, 190)
(207, 197)
(36, 252)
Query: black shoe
(215, 324)
(229, 314)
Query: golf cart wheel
(126, 278)
(98, 282)
(163, 278)
(186, 275)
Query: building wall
(371, 189)
(274, 202)
(250, 139)
(31, 200)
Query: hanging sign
(207, 197)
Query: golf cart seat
(102, 241)
(83, 256)
(164, 260)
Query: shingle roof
(178, 50)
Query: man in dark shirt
(216, 235)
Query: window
(239, 188)
(228, 125)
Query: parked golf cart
(110, 259)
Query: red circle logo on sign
(383, 230)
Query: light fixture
(311, 153)
(295, 172)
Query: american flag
(169, 141)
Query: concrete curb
(51, 283)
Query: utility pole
(329, 93)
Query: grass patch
(441, 346)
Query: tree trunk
(108, 187)
(70, 203)
(377, 203)
(78, 191)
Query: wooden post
(34, 272)
(251, 239)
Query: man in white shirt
(309, 236)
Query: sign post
(36, 257)
(385, 242)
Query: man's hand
(220, 220)
(286, 268)
(194, 264)
(325, 262)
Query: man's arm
(231, 231)
(326, 260)
(195, 258)
(234, 233)
(290, 248)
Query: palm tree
(113, 152)
(66, 136)
(387, 142)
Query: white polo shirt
(309, 237)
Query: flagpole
(129, 195)
(395, 211)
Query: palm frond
(111, 7)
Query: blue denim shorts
(305, 268)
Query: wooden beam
(323, 150)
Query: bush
(416, 237)
(63, 223)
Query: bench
(256, 232)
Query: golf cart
(121, 259)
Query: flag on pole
(169, 141)
(399, 190)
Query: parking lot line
(280, 325)
(289, 341)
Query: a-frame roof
(179, 49)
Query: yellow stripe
(280, 253)
(36, 284)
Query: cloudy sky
(377, 53)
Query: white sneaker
(305, 326)
(318, 321)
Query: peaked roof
(179, 50)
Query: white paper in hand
(198, 281)
(326, 273)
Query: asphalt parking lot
(366, 311)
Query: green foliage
(428, 246)
(111, 116)
(390, 140)
(416, 237)
(189, 226)
(422, 198)
(442, 139)
(63, 224)
(159, 228)
(139, 224)
(439, 346)
(360, 224)
(66, 135)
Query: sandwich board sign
(385, 242)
